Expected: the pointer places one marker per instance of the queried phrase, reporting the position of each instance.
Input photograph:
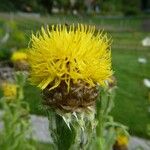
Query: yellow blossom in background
(18, 56)
(9, 90)
(69, 54)
(122, 140)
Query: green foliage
(16, 127)
(5, 53)
(110, 6)
(128, 7)
(107, 129)
(131, 7)
(16, 121)
(22, 5)
(46, 5)
(66, 136)
(17, 37)
(7, 5)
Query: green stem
(100, 126)
(20, 93)
(103, 107)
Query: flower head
(9, 90)
(18, 56)
(19, 60)
(69, 54)
(122, 140)
(67, 63)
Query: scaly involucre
(68, 54)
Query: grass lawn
(131, 103)
(131, 100)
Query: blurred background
(127, 22)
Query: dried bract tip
(79, 97)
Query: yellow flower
(18, 56)
(9, 90)
(122, 140)
(69, 54)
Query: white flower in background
(146, 83)
(146, 41)
(142, 60)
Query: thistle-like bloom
(19, 59)
(69, 54)
(9, 90)
(73, 58)
(18, 56)
(122, 140)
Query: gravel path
(41, 133)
